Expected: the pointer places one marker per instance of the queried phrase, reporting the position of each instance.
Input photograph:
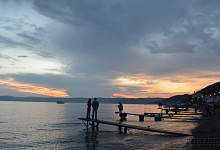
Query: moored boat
(60, 102)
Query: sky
(100, 48)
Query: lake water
(46, 125)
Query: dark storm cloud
(18, 32)
(22, 56)
(8, 28)
(17, 25)
(29, 37)
(103, 24)
(4, 41)
(99, 41)
(105, 34)
(45, 54)
(75, 86)
(197, 31)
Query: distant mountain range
(82, 100)
(211, 89)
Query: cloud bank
(111, 48)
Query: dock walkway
(126, 126)
(166, 116)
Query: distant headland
(213, 89)
(82, 100)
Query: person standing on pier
(120, 107)
(95, 106)
(88, 109)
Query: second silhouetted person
(95, 106)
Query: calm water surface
(45, 125)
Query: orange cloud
(32, 88)
(141, 85)
(124, 96)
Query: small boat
(60, 102)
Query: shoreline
(208, 127)
(207, 133)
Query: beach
(207, 134)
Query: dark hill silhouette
(211, 89)
(175, 99)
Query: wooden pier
(160, 116)
(128, 126)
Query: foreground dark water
(46, 125)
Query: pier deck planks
(133, 127)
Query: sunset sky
(102, 48)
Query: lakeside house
(210, 99)
(197, 95)
(205, 98)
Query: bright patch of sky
(20, 61)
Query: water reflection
(51, 126)
(91, 140)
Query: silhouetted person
(88, 109)
(160, 105)
(208, 112)
(214, 108)
(95, 106)
(120, 107)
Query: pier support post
(141, 117)
(120, 129)
(125, 129)
(170, 115)
(158, 118)
(93, 124)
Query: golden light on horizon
(149, 87)
(124, 96)
(129, 81)
(141, 85)
(32, 88)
